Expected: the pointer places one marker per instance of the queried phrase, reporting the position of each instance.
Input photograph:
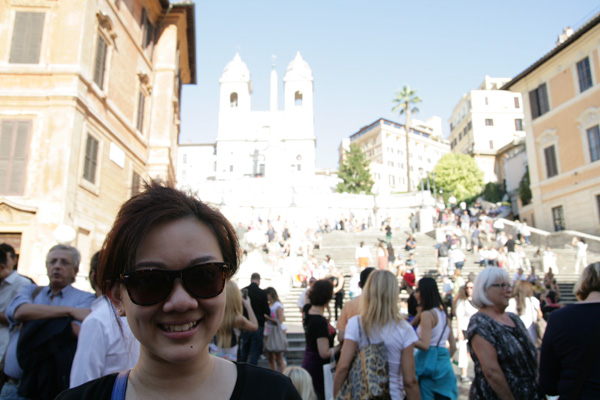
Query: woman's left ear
(114, 294)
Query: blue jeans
(9, 392)
(251, 345)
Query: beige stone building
(384, 144)
(485, 120)
(561, 96)
(90, 97)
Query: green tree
(354, 172)
(525, 189)
(458, 174)
(405, 98)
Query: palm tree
(405, 98)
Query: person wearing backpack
(442, 252)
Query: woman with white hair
(503, 354)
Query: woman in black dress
(319, 337)
(501, 349)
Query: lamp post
(434, 188)
(421, 179)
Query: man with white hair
(57, 310)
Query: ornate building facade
(89, 106)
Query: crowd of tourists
(167, 321)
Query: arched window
(298, 98)
(233, 100)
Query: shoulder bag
(426, 361)
(276, 342)
(369, 375)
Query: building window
(100, 61)
(559, 219)
(518, 124)
(233, 100)
(489, 122)
(551, 166)
(135, 183)
(140, 112)
(486, 101)
(491, 145)
(14, 148)
(598, 204)
(231, 168)
(91, 159)
(594, 141)
(298, 99)
(392, 180)
(27, 38)
(185, 158)
(147, 34)
(517, 104)
(584, 74)
(459, 135)
(539, 101)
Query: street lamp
(434, 188)
(421, 179)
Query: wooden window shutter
(14, 142)
(140, 116)
(135, 183)
(100, 62)
(27, 38)
(533, 102)
(91, 159)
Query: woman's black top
(566, 340)
(253, 383)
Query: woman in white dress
(526, 306)
(380, 321)
(275, 359)
(465, 309)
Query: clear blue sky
(361, 52)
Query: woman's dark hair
(271, 290)
(430, 295)
(158, 203)
(321, 292)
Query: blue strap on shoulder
(120, 386)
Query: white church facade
(278, 145)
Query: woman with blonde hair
(380, 321)
(225, 344)
(302, 381)
(526, 306)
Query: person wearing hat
(408, 284)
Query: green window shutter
(27, 38)
(100, 62)
(135, 183)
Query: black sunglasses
(147, 287)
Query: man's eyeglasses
(147, 287)
(502, 285)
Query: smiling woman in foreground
(500, 346)
(166, 262)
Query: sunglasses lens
(148, 287)
(205, 280)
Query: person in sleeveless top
(165, 264)
(380, 321)
(276, 314)
(226, 341)
(526, 306)
(500, 346)
(433, 365)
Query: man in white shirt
(105, 343)
(362, 255)
(10, 283)
(519, 276)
